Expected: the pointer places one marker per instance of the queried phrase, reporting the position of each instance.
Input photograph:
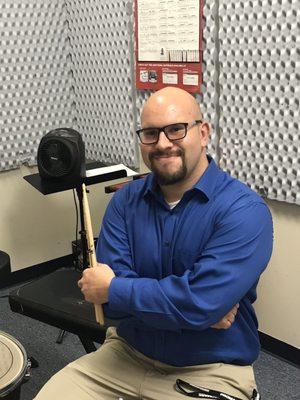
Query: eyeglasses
(173, 132)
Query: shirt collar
(206, 184)
(151, 185)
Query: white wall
(278, 304)
(36, 228)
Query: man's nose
(163, 141)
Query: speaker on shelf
(61, 155)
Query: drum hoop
(10, 387)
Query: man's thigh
(109, 373)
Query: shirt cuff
(119, 294)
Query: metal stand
(88, 344)
(82, 230)
(61, 336)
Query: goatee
(168, 178)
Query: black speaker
(61, 155)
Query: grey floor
(277, 380)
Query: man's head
(174, 161)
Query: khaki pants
(117, 371)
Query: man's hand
(228, 320)
(95, 283)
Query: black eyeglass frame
(187, 126)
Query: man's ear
(204, 130)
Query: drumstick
(91, 247)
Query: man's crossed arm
(95, 283)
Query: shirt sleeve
(230, 265)
(112, 247)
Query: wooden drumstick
(91, 247)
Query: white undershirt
(173, 204)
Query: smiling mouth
(168, 156)
(166, 159)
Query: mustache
(159, 153)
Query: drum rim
(10, 387)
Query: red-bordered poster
(168, 44)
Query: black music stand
(54, 186)
(55, 298)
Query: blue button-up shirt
(179, 271)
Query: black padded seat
(55, 299)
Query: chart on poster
(168, 44)
(168, 30)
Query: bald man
(180, 253)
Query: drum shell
(14, 395)
(15, 367)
